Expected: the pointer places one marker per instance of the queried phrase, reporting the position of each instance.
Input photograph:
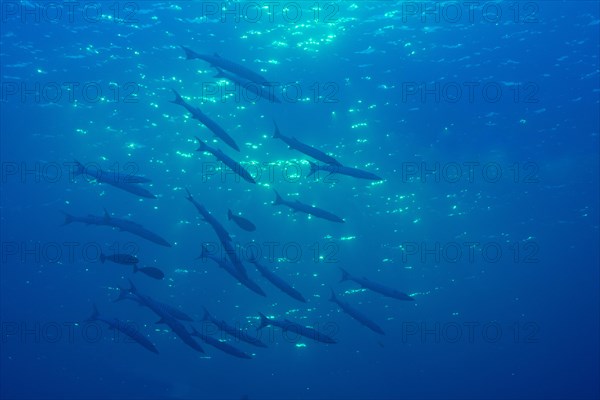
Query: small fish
(241, 222)
(150, 271)
(125, 259)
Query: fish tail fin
(229, 214)
(219, 74)
(206, 316)
(189, 53)
(313, 168)
(201, 145)
(278, 199)
(345, 275)
(102, 258)
(132, 288)
(264, 321)
(332, 296)
(95, 314)
(68, 219)
(79, 168)
(178, 98)
(189, 195)
(122, 294)
(276, 134)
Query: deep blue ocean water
(481, 120)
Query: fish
(277, 281)
(308, 209)
(222, 234)
(376, 287)
(126, 294)
(233, 331)
(122, 225)
(150, 271)
(127, 329)
(225, 159)
(287, 325)
(310, 151)
(123, 182)
(207, 217)
(224, 347)
(357, 315)
(106, 176)
(241, 222)
(340, 169)
(125, 259)
(219, 62)
(166, 318)
(231, 270)
(249, 85)
(206, 121)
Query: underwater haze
(299, 200)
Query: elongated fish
(376, 287)
(357, 315)
(204, 119)
(308, 209)
(222, 234)
(225, 159)
(150, 271)
(277, 281)
(340, 169)
(127, 329)
(120, 181)
(233, 331)
(241, 221)
(166, 318)
(217, 61)
(108, 176)
(287, 325)
(119, 258)
(224, 347)
(231, 270)
(121, 224)
(253, 87)
(127, 294)
(304, 148)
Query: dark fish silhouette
(123, 182)
(166, 318)
(150, 271)
(121, 224)
(225, 159)
(218, 62)
(125, 294)
(127, 329)
(125, 259)
(308, 209)
(340, 169)
(224, 347)
(304, 148)
(206, 121)
(287, 325)
(231, 270)
(277, 281)
(108, 176)
(357, 315)
(222, 233)
(241, 222)
(253, 87)
(376, 287)
(233, 331)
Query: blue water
(483, 125)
